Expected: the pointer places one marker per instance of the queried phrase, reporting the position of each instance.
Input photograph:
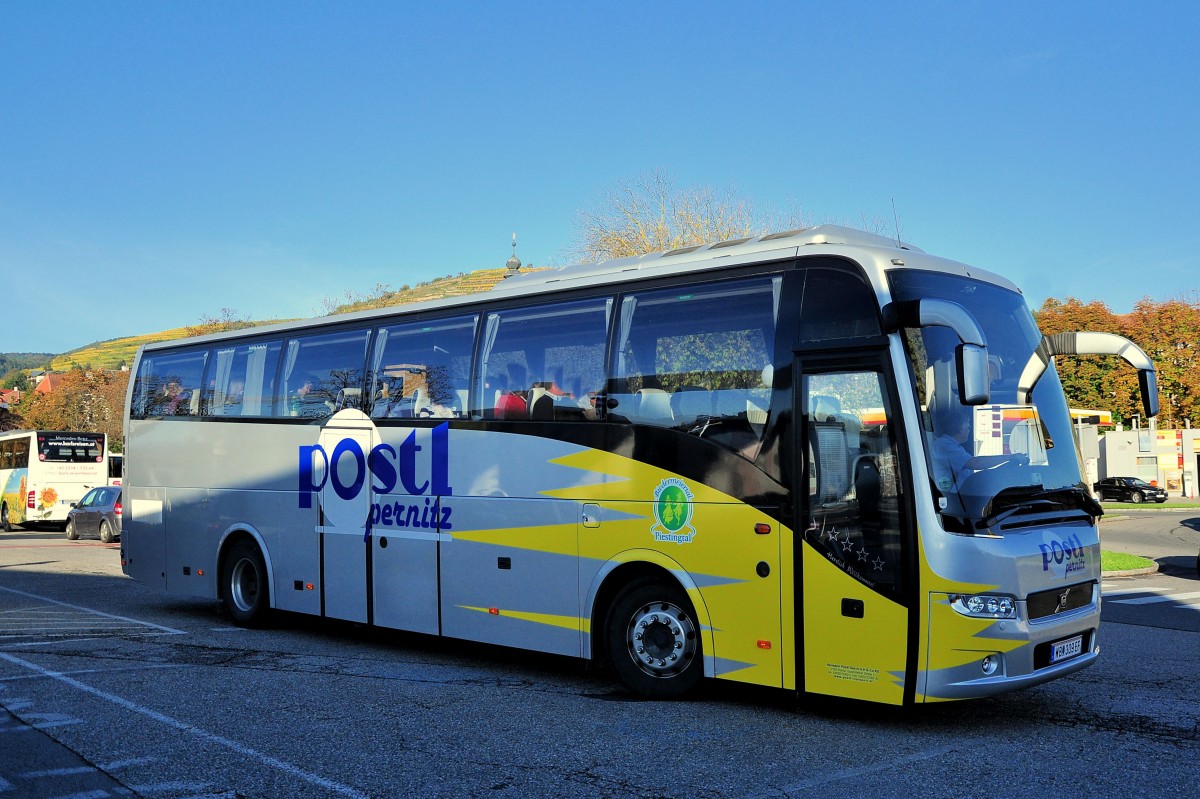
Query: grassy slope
(111, 354)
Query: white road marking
(267, 760)
(1147, 600)
(95, 612)
(849, 774)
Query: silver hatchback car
(98, 513)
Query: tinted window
(837, 305)
(20, 453)
(422, 369)
(323, 374)
(699, 359)
(70, 447)
(544, 363)
(169, 384)
(242, 380)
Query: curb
(1130, 572)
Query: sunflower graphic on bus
(12, 500)
(673, 512)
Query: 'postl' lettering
(1064, 557)
(387, 467)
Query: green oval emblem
(672, 509)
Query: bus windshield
(986, 458)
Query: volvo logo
(1062, 601)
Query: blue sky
(160, 161)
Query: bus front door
(854, 562)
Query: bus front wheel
(653, 641)
(244, 588)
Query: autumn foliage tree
(86, 401)
(1167, 331)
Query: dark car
(1131, 489)
(98, 513)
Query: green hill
(451, 286)
(113, 353)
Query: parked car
(1131, 489)
(98, 513)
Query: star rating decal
(838, 543)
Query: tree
(90, 402)
(227, 319)
(1167, 331)
(10, 420)
(649, 214)
(1087, 380)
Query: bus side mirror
(1148, 383)
(970, 357)
(1091, 343)
(973, 378)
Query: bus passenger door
(344, 515)
(855, 560)
(405, 530)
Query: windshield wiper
(1012, 500)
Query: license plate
(1065, 650)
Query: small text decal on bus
(390, 468)
(673, 512)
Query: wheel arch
(637, 566)
(243, 532)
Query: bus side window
(242, 381)
(169, 385)
(699, 361)
(317, 371)
(421, 369)
(544, 363)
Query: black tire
(653, 640)
(72, 533)
(1136, 498)
(106, 533)
(245, 592)
(4, 522)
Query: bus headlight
(984, 606)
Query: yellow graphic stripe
(555, 539)
(618, 472)
(566, 622)
(952, 640)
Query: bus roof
(874, 253)
(750, 248)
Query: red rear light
(117, 509)
(30, 503)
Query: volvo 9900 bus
(817, 460)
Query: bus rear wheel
(653, 641)
(244, 588)
(4, 522)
